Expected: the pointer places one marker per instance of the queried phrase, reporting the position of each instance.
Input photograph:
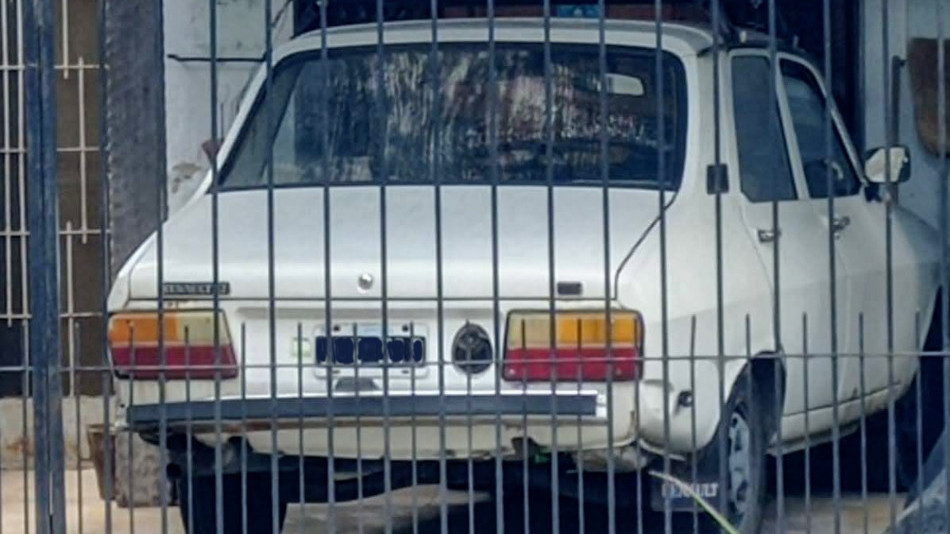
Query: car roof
(687, 37)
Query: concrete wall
(241, 35)
(17, 439)
(907, 19)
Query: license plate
(370, 350)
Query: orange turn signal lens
(175, 345)
(576, 346)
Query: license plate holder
(367, 348)
(662, 492)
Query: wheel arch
(767, 374)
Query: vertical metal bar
(525, 455)
(720, 313)
(188, 497)
(359, 431)
(64, 36)
(605, 221)
(890, 133)
(44, 327)
(664, 281)
(5, 64)
(78, 429)
(22, 167)
(525, 471)
(383, 255)
(271, 272)
(470, 460)
(215, 278)
(327, 267)
(244, 446)
(864, 429)
(83, 149)
(694, 467)
(832, 268)
(435, 176)
(106, 274)
(301, 487)
(161, 191)
(580, 447)
(24, 432)
(70, 313)
(805, 414)
(549, 179)
(776, 264)
(130, 448)
(496, 307)
(415, 441)
(918, 421)
(944, 234)
(638, 446)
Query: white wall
(241, 33)
(907, 19)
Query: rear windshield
(328, 121)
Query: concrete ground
(86, 512)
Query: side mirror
(875, 165)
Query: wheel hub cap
(739, 460)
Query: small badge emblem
(365, 281)
(195, 289)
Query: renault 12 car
(497, 241)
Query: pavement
(87, 514)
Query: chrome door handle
(768, 235)
(838, 224)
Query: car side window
(806, 103)
(764, 169)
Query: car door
(795, 254)
(858, 226)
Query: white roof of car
(683, 38)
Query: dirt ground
(86, 513)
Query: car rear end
(348, 302)
(173, 373)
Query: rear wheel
(744, 424)
(744, 428)
(199, 513)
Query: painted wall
(241, 34)
(906, 19)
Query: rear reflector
(575, 348)
(187, 348)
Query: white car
(501, 254)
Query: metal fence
(466, 266)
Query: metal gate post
(43, 209)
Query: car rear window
(328, 121)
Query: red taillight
(187, 348)
(575, 348)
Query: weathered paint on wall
(16, 420)
(240, 34)
(906, 19)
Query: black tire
(198, 513)
(927, 387)
(924, 397)
(744, 424)
(745, 516)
